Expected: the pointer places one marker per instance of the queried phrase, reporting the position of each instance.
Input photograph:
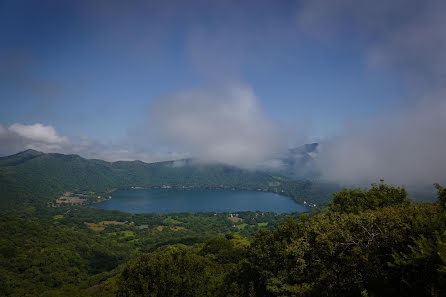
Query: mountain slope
(31, 176)
(19, 158)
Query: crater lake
(199, 200)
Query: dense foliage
(65, 251)
(441, 194)
(174, 271)
(378, 196)
(36, 256)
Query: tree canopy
(378, 196)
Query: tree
(424, 266)
(378, 196)
(441, 195)
(173, 271)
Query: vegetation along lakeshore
(74, 249)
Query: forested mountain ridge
(19, 158)
(31, 176)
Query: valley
(70, 226)
(34, 179)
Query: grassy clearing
(101, 225)
(127, 233)
(171, 221)
(171, 228)
(241, 226)
(95, 227)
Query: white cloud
(225, 124)
(38, 133)
(19, 137)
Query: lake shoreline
(198, 199)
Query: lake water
(169, 200)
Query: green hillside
(35, 178)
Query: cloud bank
(18, 137)
(407, 147)
(407, 37)
(44, 138)
(225, 124)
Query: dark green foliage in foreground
(337, 254)
(36, 256)
(174, 271)
(385, 247)
(58, 254)
(441, 195)
(378, 196)
(424, 265)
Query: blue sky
(105, 79)
(105, 63)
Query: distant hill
(19, 158)
(34, 178)
(32, 175)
